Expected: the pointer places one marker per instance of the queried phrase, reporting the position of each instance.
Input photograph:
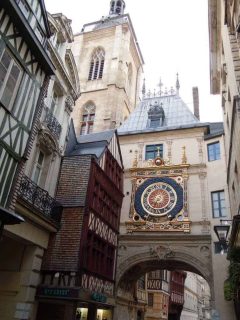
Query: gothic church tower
(110, 68)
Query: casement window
(39, 33)
(38, 167)
(214, 151)
(141, 282)
(88, 120)
(24, 7)
(218, 204)
(153, 150)
(10, 78)
(96, 64)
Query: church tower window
(97, 64)
(117, 7)
(88, 119)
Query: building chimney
(196, 102)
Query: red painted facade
(176, 301)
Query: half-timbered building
(25, 68)
(33, 135)
(78, 273)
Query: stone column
(30, 274)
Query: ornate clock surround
(159, 197)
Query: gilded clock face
(159, 197)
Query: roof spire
(117, 7)
(143, 88)
(177, 84)
(160, 87)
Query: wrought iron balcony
(40, 199)
(52, 123)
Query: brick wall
(63, 250)
(73, 181)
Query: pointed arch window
(88, 118)
(97, 64)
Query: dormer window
(156, 116)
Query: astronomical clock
(159, 196)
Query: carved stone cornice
(48, 143)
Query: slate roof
(90, 144)
(177, 115)
(215, 129)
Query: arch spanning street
(140, 254)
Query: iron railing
(52, 123)
(40, 199)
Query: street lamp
(222, 231)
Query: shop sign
(57, 292)
(99, 297)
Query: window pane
(215, 196)
(40, 158)
(152, 151)
(15, 72)
(214, 151)
(9, 76)
(91, 117)
(36, 174)
(83, 130)
(3, 72)
(6, 59)
(218, 204)
(222, 195)
(8, 91)
(90, 128)
(85, 117)
(24, 8)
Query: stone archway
(141, 253)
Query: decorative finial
(166, 91)
(154, 92)
(177, 84)
(158, 152)
(160, 87)
(143, 88)
(184, 157)
(135, 161)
